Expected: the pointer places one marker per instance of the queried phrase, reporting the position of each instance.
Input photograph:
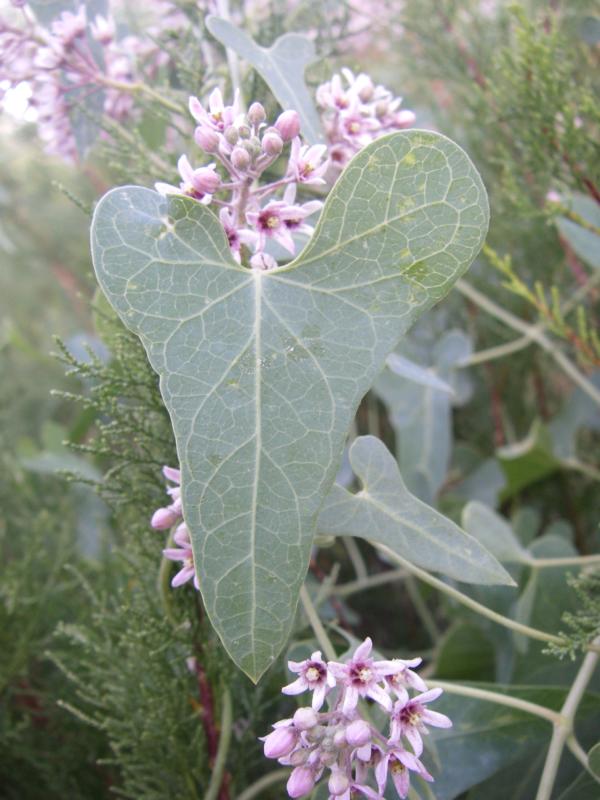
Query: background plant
(514, 440)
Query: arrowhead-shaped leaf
(262, 372)
(385, 512)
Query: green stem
(496, 697)
(317, 626)
(467, 601)
(356, 558)
(422, 610)
(256, 789)
(533, 332)
(567, 561)
(218, 767)
(370, 582)
(143, 89)
(563, 728)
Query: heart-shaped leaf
(262, 372)
(385, 512)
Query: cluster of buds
(64, 66)
(243, 146)
(167, 518)
(340, 740)
(356, 111)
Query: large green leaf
(262, 372)
(385, 512)
(489, 740)
(282, 67)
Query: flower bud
(240, 158)
(164, 518)
(231, 135)
(339, 738)
(206, 180)
(207, 139)
(299, 757)
(272, 144)
(381, 108)
(300, 782)
(252, 147)
(404, 118)
(288, 125)
(256, 114)
(338, 782)
(358, 733)
(305, 718)
(244, 131)
(366, 90)
(280, 742)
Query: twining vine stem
(563, 727)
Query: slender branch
(317, 625)
(422, 610)
(358, 563)
(564, 728)
(567, 561)
(499, 351)
(256, 789)
(218, 768)
(467, 601)
(533, 332)
(372, 581)
(496, 697)
(142, 89)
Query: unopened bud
(164, 518)
(299, 757)
(256, 114)
(244, 131)
(288, 125)
(366, 90)
(300, 782)
(272, 144)
(207, 139)
(280, 742)
(339, 738)
(206, 180)
(338, 782)
(231, 135)
(305, 719)
(404, 119)
(381, 108)
(252, 147)
(358, 733)
(240, 158)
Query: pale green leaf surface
(262, 372)
(281, 66)
(494, 533)
(585, 243)
(421, 415)
(385, 512)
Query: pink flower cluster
(65, 65)
(341, 740)
(243, 146)
(356, 111)
(166, 518)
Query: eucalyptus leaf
(385, 512)
(584, 242)
(262, 372)
(282, 67)
(421, 413)
(594, 760)
(424, 376)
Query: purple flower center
(268, 220)
(410, 714)
(315, 673)
(361, 673)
